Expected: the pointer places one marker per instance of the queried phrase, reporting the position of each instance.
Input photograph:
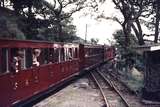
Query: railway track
(108, 90)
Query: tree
(132, 12)
(63, 9)
(156, 6)
(68, 32)
(94, 40)
(52, 15)
(127, 53)
(4, 2)
(153, 15)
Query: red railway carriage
(30, 67)
(91, 55)
(109, 52)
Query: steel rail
(101, 90)
(113, 86)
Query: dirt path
(78, 94)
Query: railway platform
(78, 94)
(84, 93)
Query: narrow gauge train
(28, 68)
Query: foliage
(53, 18)
(94, 40)
(136, 14)
(50, 34)
(120, 38)
(63, 9)
(125, 54)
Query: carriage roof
(9, 43)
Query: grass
(133, 79)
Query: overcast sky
(103, 29)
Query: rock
(135, 72)
(83, 83)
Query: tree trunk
(29, 26)
(157, 24)
(138, 33)
(60, 32)
(141, 40)
(127, 32)
(59, 29)
(3, 3)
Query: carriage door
(5, 81)
(62, 62)
(19, 78)
(36, 61)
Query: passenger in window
(15, 65)
(75, 53)
(87, 54)
(36, 54)
(62, 55)
(70, 55)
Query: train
(28, 68)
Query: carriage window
(23, 58)
(4, 60)
(70, 54)
(36, 60)
(46, 56)
(97, 51)
(51, 55)
(56, 55)
(86, 52)
(62, 55)
(43, 57)
(76, 53)
(28, 58)
(17, 59)
(66, 54)
(90, 51)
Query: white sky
(102, 30)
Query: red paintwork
(23, 88)
(5, 90)
(109, 53)
(82, 56)
(90, 57)
(15, 87)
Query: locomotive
(28, 68)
